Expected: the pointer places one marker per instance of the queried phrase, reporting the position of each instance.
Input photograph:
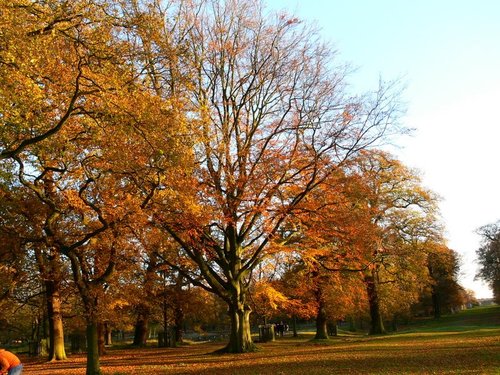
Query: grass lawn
(465, 343)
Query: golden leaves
(267, 295)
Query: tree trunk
(240, 339)
(101, 339)
(93, 366)
(436, 303)
(164, 337)
(141, 329)
(246, 333)
(108, 338)
(294, 326)
(321, 323)
(179, 323)
(321, 318)
(376, 322)
(56, 329)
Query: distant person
(9, 363)
(280, 328)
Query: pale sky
(448, 53)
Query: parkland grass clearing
(464, 343)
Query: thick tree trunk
(246, 333)
(321, 323)
(141, 329)
(321, 318)
(56, 329)
(376, 322)
(240, 339)
(93, 366)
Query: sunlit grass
(424, 348)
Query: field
(465, 343)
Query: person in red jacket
(9, 362)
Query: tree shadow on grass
(416, 354)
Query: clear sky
(448, 53)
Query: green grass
(472, 319)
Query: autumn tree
(42, 62)
(372, 219)
(330, 233)
(49, 65)
(266, 291)
(23, 221)
(203, 311)
(275, 122)
(50, 94)
(21, 292)
(327, 296)
(147, 283)
(488, 256)
(444, 267)
(89, 133)
(139, 280)
(401, 218)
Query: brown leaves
(444, 353)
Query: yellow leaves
(37, 76)
(268, 296)
(118, 303)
